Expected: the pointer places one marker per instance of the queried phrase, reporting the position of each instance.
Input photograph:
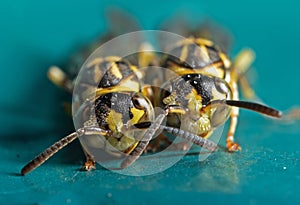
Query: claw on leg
(90, 163)
(59, 78)
(231, 145)
(88, 166)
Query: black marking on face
(102, 108)
(118, 102)
(182, 88)
(222, 86)
(202, 84)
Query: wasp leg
(59, 78)
(230, 144)
(291, 115)
(90, 162)
(241, 65)
(247, 91)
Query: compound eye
(166, 90)
(220, 115)
(139, 101)
(222, 86)
(167, 87)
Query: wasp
(121, 107)
(117, 107)
(208, 87)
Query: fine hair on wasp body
(115, 109)
(118, 104)
(207, 77)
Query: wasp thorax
(196, 55)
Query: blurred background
(37, 34)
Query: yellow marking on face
(194, 102)
(203, 124)
(199, 125)
(176, 110)
(114, 121)
(137, 115)
(121, 144)
(171, 99)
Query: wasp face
(118, 112)
(219, 112)
(196, 93)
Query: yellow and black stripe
(196, 55)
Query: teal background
(36, 34)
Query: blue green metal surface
(36, 34)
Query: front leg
(90, 162)
(59, 78)
(230, 144)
